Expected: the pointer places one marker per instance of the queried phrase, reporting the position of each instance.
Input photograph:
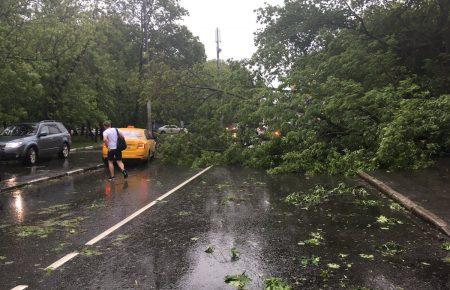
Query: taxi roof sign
(129, 126)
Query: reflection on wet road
(14, 172)
(186, 241)
(41, 223)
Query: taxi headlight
(140, 146)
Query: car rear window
(132, 134)
(61, 127)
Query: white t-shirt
(112, 138)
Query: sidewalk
(14, 175)
(428, 188)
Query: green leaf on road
(234, 254)
(210, 249)
(315, 240)
(54, 209)
(90, 252)
(446, 246)
(276, 284)
(390, 249)
(367, 256)
(183, 213)
(238, 281)
(333, 266)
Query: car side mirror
(43, 134)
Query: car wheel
(65, 151)
(31, 157)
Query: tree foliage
(85, 61)
(363, 84)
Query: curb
(86, 148)
(418, 210)
(48, 178)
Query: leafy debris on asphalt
(276, 284)
(238, 281)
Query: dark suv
(30, 141)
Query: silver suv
(30, 141)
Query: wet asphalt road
(164, 248)
(14, 172)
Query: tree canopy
(362, 84)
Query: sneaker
(125, 174)
(111, 178)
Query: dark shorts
(114, 155)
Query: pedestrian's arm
(105, 139)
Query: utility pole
(218, 50)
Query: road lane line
(74, 171)
(62, 261)
(139, 212)
(20, 287)
(38, 180)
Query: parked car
(31, 141)
(171, 129)
(140, 145)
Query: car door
(57, 139)
(173, 129)
(45, 141)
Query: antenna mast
(218, 50)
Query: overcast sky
(235, 19)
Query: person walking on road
(110, 137)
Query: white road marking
(139, 212)
(20, 287)
(74, 171)
(39, 179)
(62, 261)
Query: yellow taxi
(139, 144)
